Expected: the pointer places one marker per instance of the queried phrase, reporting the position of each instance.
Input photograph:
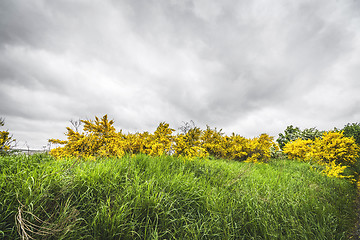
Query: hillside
(142, 197)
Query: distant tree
(5, 139)
(352, 130)
(76, 124)
(311, 133)
(187, 127)
(292, 133)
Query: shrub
(6, 140)
(189, 144)
(334, 151)
(236, 147)
(259, 148)
(335, 147)
(214, 142)
(299, 149)
(138, 143)
(100, 139)
(161, 140)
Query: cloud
(249, 67)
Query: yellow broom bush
(259, 148)
(335, 147)
(100, 139)
(299, 149)
(236, 147)
(189, 144)
(214, 142)
(161, 140)
(6, 140)
(334, 151)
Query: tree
(292, 133)
(352, 130)
(187, 127)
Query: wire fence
(28, 151)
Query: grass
(146, 197)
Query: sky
(247, 67)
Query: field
(143, 197)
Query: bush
(189, 144)
(260, 148)
(214, 142)
(6, 140)
(334, 151)
(100, 139)
(335, 147)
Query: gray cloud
(249, 67)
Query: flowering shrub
(260, 148)
(333, 150)
(189, 145)
(236, 147)
(100, 139)
(161, 140)
(5, 140)
(299, 149)
(214, 142)
(137, 143)
(334, 147)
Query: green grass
(145, 197)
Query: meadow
(166, 197)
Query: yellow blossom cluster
(334, 151)
(6, 139)
(100, 139)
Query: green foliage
(352, 130)
(311, 134)
(292, 133)
(144, 197)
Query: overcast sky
(248, 67)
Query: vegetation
(197, 184)
(146, 197)
(333, 150)
(292, 133)
(352, 130)
(5, 140)
(100, 139)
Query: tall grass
(146, 197)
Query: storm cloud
(244, 66)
